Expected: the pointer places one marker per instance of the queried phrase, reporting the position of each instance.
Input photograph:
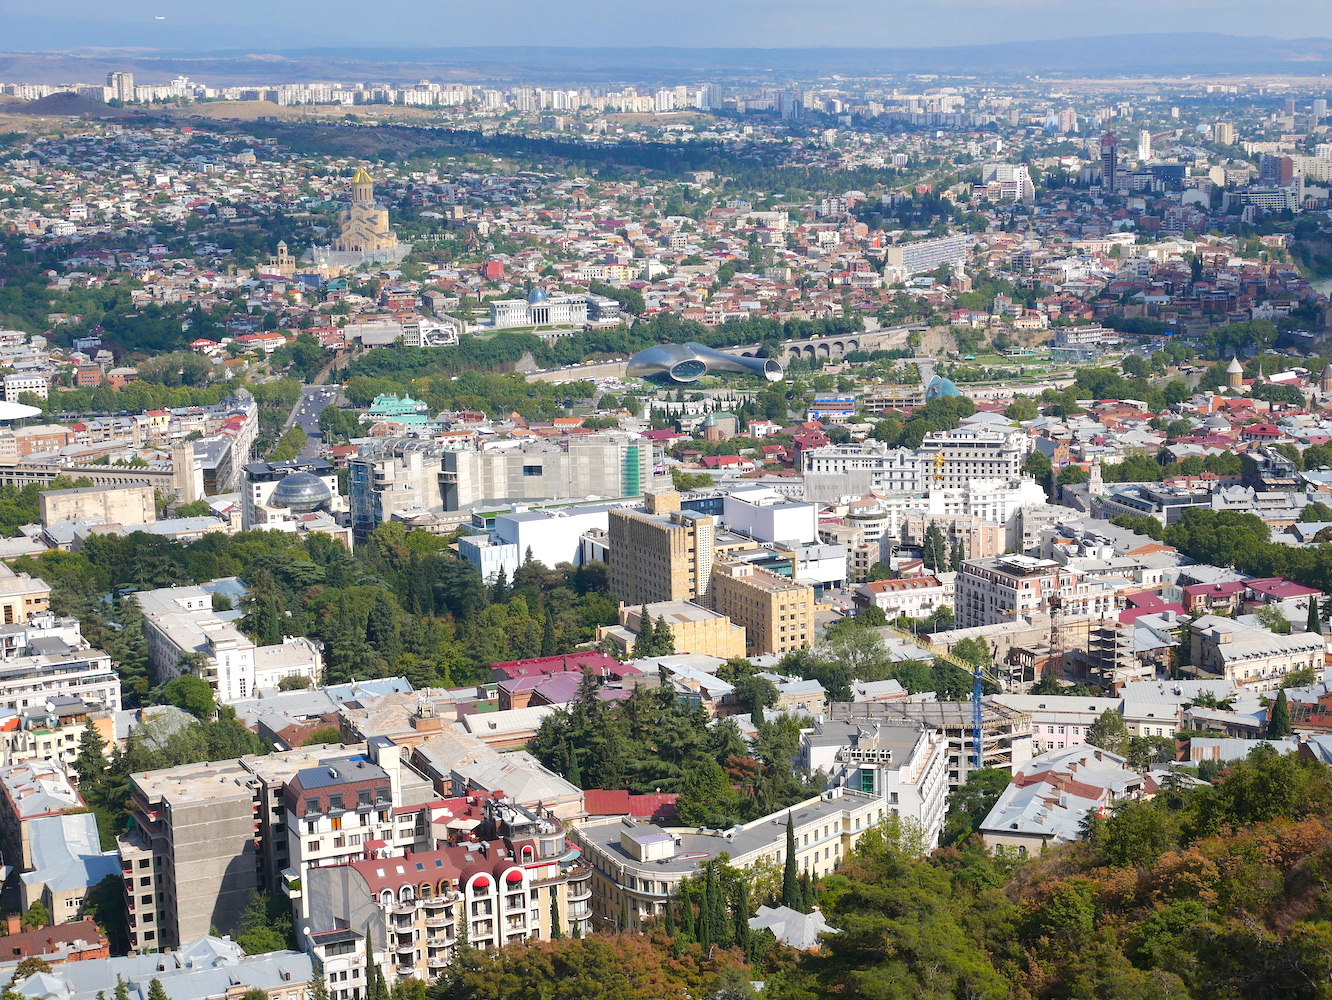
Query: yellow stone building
(364, 225)
(777, 614)
(693, 629)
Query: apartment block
(1251, 657)
(776, 613)
(926, 255)
(29, 792)
(505, 871)
(191, 855)
(179, 622)
(903, 763)
(21, 596)
(913, 596)
(952, 459)
(1006, 733)
(661, 553)
(996, 590)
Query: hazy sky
(283, 24)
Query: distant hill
(1111, 55)
(66, 105)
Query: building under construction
(1006, 736)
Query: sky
(272, 25)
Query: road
(306, 412)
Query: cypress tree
(790, 887)
(1314, 625)
(740, 918)
(549, 645)
(1278, 726)
(717, 925)
(555, 930)
(668, 916)
(574, 776)
(704, 924)
(686, 915)
(624, 917)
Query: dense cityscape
(717, 535)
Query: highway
(306, 413)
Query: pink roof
(543, 666)
(615, 802)
(1279, 588)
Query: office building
(637, 867)
(1144, 145)
(661, 553)
(767, 516)
(606, 465)
(393, 476)
(919, 256)
(1008, 182)
(952, 459)
(901, 762)
(551, 537)
(277, 491)
(776, 613)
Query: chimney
(12, 923)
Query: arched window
(406, 894)
(528, 854)
(386, 897)
(425, 891)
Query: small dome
(536, 295)
(1235, 367)
(301, 493)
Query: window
(363, 797)
(532, 470)
(335, 802)
(311, 806)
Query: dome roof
(300, 492)
(1234, 366)
(536, 295)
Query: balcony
(439, 921)
(580, 892)
(400, 908)
(437, 961)
(405, 970)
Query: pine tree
(1313, 624)
(156, 991)
(382, 629)
(790, 887)
(318, 987)
(499, 590)
(122, 988)
(959, 556)
(574, 777)
(663, 639)
(90, 764)
(1278, 726)
(643, 642)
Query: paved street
(306, 413)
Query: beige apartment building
(127, 503)
(777, 614)
(21, 596)
(661, 553)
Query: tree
(192, 694)
(1072, 475)
(156, 991)
(37, 915)
(90, 763)
(790, 887)
(706, 797)
(265, 924)
(1273, 619)
(1109, 733)
(1312, 624)
(755, 693)
(643, 642)
(298, 682)
(1278, 722)
(972, 802)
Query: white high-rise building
(1144, 145)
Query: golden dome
(362, 177)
